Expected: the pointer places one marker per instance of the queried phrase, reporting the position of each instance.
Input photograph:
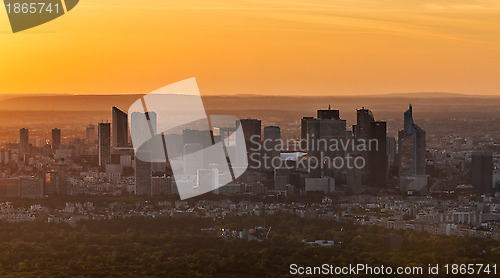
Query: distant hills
(423, 102)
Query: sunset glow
(276, 47)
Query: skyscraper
(378, 154)
(482, 172)
(303, 132)
(412, 160)
(104, 134)
(272, 136)
(322, 132)
(56, 139)
(143, 175)
(24, 147)
(361, 132)
(252, 133)
(391, 151)
(120, 128)
(368, 131)
(364, 120)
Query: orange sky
(320, 47)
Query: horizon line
(414, 94)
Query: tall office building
(90, 134)
(251, 128)
(252, 133)
(303, 132)
(361, 133)
(104, 134)
(412, 160)
(56, 139)
(322, 132)
(368, 131)
(328, 114)
(24, 147)
(482, 172)
(272, 136)
(143, 175)
(378, 169)
(391, 151)
(363, 122)
(120, 128)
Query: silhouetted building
(24, 147)
(252, 132)
(322, 132)
(271, 145)
(482, 172)
(303, 132)
(104, 134)
(328, 114)
(391, 151)
(361, 133)
(373, 134)
(120, 128)
(378, 169)
(143, 175)
(56, 139)
(364, 120)
(412, 159)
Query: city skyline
(329, 124)
(254, 138)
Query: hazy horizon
(400, 94)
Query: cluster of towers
(410, 156)
(407, 156)
(329, 127)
